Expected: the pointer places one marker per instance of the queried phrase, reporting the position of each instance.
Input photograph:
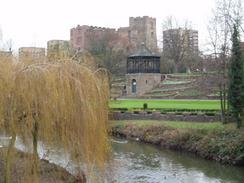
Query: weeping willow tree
(7, 71)
(62, 104)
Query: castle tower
(143, 29)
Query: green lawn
(167, 104)
(173, 124)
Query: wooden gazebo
(143, 61)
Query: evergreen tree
(236, 79)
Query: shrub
(178, 113)
(210, 113)
(145, 106)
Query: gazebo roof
(143, 52)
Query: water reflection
(134, 162)
(145, 163)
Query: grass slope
(167, 104)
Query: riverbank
(212, 141)
(49, 172)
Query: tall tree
(236, 78)
(225, 15)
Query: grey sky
(34, 22)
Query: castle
(141, 29)
(85, 38)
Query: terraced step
(170, 89)
(175, 84)
(183, 76)
(165, 95)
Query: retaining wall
(143, 115)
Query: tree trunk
(238, 118)
(228, 111)
(35, 166)
(223, 103)
(176, 69)
(8, 162)
(242, 117)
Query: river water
(142, 163)
(134, 162)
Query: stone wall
(145, 82)
(84, 37)
(144, 115)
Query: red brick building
(141, 29)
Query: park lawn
(167, 104)
(173, 124)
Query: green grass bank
(214, 141)
(166, 104)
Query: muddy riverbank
(49, 172)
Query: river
(143, 163)
(135, 162)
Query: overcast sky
(34, 22)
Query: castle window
(152, 33)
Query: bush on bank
(223, 145)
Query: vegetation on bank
(209, 140)
(166, 104)
(173, 124)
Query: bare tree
(5, 45)
(220, 27)
(8, 45)
(110, 52)
(177, 43)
